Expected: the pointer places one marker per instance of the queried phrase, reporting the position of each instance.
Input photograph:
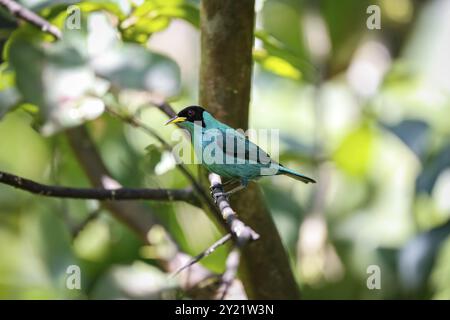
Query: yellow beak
(176, 119)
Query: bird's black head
(190, 114)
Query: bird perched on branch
(227, 152)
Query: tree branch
(131, 214)
(79, 227)
(232, 265)
(25, 14)
(134, 122)
(241, 233)
(226, 40)
(205, 253)
(162, 105)
(186, 195)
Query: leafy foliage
(381, 156)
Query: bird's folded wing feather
(238, 146)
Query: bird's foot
(212, 189)
(217, 195)
(217, 191)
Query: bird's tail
(295, 175)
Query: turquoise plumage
(227, 152)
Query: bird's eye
(191, 113)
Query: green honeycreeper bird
(227, 152)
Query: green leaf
(155, 15)
(125, 65)
(6, 77)
(143, 28)
(131, 66)
(276, 65)
(27, 60)
(414, 133)
(346, 23)
(152, 157)
(281, 20)
(9, 96)
(181, 10)
(171, 9)
(355, 151)
(63, 78)
(417, 258)
(117, 7)
(433, 167)
(58, 80)
(35, 255)
(275, 48)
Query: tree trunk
(225, 82)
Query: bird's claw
(217, 195)
(217, 191)
(211, 192)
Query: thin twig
(162, 105)
(79, 227)
(186, 195)
(232, 265)
(205, 253)
(90, 160)
(241, 234)
(25, 14)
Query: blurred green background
(365, 112)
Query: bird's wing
(238, 146)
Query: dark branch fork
(242, 234)
(239, 232)
(205, 253)
(186, 195)
(132, 214)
